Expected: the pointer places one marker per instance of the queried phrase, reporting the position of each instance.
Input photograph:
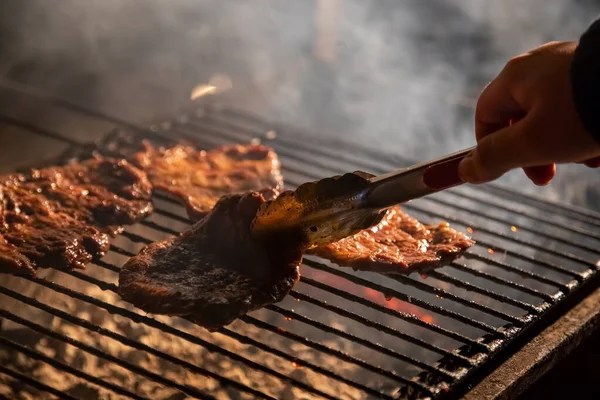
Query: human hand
(526, 118)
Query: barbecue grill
(341, 333)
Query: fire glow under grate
(340, 333)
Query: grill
(340, 333)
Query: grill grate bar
(378, 326)
(493, 278)
(62, 366)
(473, 288)
(571, 211)
(525, 228)
(165, 328)
(374, 346)
(101, 354)
(556, 224)
(210, 114)
(533, 260)
(37, 130)
(508, 267)
(447, 295)
(517, 240)
(409, 299)
(36, 384)
(401, 315)
(129, 342)
(342, 356)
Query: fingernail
(465, 169)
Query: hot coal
(214, 272)
(62, 217)
(397, 245)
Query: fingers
(495, 107)
(498, 153)
(541, 175)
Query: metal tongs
(325, 211)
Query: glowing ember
(491, 251)
(373, 295)
(271, 135)
(513, 228)
(423, 276)
(216, 84)
(295, 365)
(202, 90)
(469, 229)
(428, 319)
(288, 318)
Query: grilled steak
(214, 272)
(399, 244)
(62, 217)
(199, 178)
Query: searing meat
(199, 178)
(214, 272)
(61, 217)
(397, 245)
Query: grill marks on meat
(199, 178)
(214, 272)
(399, 244)
(61, 217)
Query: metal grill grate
(448, 328)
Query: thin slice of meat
(214, 272)
(61, 217)
(199, 178)
(399, 244)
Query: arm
(542, 109)
(585, 79)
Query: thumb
(495, 154)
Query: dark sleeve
(585, 79)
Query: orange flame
(370, 294)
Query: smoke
(403, 76)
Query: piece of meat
(61, 217)
(399, 244)
(214, 272)
(199, 178)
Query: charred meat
(214, 272)
(61, 217)
(199, 178)
(399, 244)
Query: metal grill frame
(496, 345)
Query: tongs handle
(419, 180)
